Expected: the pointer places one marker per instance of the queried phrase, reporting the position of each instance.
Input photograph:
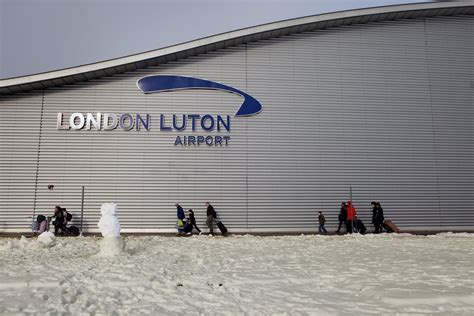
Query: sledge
(391, 225)
(188, 227)
(360, 227)
(221, 227)
(73, 231)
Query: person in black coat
(211, 214)
(342, 217)
(381, 219)
(192, 221)
(376, 217)
(59, 220)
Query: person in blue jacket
(181, 218)
(180, 210)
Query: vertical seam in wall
(432, 121)
(247, 145)
(38, 155)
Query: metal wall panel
(20, 119)
(385, 108)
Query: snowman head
(108, 209)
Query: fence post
(82, 208)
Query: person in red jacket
(351, 216)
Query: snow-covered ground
(322, 275)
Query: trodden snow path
(322, 275)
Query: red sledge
(394, 229)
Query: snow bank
(46, 238)
(111, 246)
(451, 234)
(253, 275)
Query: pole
(350, 199)
(82, 208)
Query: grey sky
(44, 35)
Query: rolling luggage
(388, 223)
(222, 227)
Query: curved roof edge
(233, 38)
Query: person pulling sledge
(377, 217)
(191, 222)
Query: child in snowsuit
(322, 221)
(42, 224)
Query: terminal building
(270, 124)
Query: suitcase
(392, 226)
(222, 228)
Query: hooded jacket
(351, 212)
(180, 210)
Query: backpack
(68, 216)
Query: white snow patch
(46, 238)
(111, 246)
(451, 234)
(323, 275)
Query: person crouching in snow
(42, 224)
(322, 221)
(59, 221)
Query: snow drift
(241, 275)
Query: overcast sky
(43, 35)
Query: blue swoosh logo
(162, 83)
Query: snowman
(109, 226)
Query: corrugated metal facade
(385, 108)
